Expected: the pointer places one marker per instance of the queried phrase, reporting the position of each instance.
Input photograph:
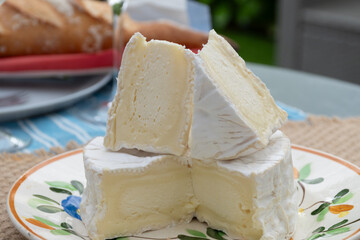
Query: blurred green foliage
(250, 23)
(254, 15)
(252, 47)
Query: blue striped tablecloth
(60, 127)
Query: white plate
(45, 95)
(37, 208)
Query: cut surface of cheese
(128, 192)
(131, 191)
(253, 197)
(234, 114)
(152, 107)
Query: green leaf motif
(214, 233)
(345, 198)
(59, 190)
(47, 222)
(316, 236)
(35, 202)
(318, 230)
(78, 185)
(338, 224)
(305, 171)
(60, 184)
(184, 237)
(196, 233)
(313, 181)
(338, 231)
(340, 195)
(45, 198)
(49, 209)
(59, 232)
(320, 208)
(65, 225)
(322, 214)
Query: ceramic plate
(43, 203)
(45, 95)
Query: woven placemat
(340, 137)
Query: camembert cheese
(234, 114)
(208, 106)
(128, 192)
(252, 197)
(153, 105)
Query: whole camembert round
(130, 191)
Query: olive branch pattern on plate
(70, 205)
(335, 206)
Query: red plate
(58, 64)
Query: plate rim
(27, 232)
(19, 111)
(10, 203)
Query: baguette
(35, 27)
(162, 30)
(165, 30)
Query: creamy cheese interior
(127, 193)
(134, 192)
(151, 110)
(158, 197)
(253, 197)
(207, 106)
(224, 203)
(248, 94)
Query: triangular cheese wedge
(234, 114)
(152, 108)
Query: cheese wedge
(253, 197)
(153, 104)
(129, 192)
(234, 114)
(164, 90)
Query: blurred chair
(320, 36)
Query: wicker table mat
(340, 137)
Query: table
(311, 93)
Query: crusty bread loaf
(32, 27)
(162, 30)
(36, 27)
